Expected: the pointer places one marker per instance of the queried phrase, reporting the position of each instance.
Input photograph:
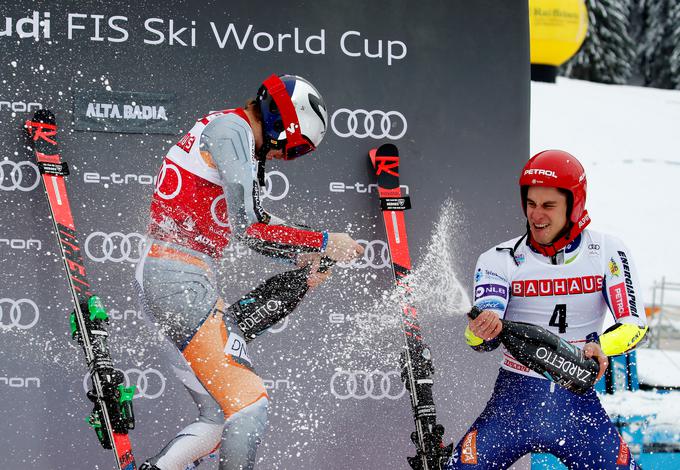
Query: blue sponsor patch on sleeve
(490, 304)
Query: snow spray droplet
(436, 291)
(434, 282)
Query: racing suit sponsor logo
(262, 216)
(629, 284)
(624, 453)
(168, 188)
(511, 362)
(186, 142)
(561, 286)
(619, 301)
(469, 448)
(541, 172)
(479, 274)
(454, 458)
(490, 305)
(236, 347)
(486, 290)
(614, 268)
(594, 249)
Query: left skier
(208, 193)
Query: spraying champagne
(548, 354)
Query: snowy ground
(628, 139)
(661, 409)
(659, 368)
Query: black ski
(112, 415)
(416, 360)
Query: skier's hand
(594, 350)
(313, 260)
(486, 326)
(341, 247)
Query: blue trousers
(527, 414)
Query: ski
(417, 370)
(112, 415)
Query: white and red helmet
(558, 169)
(294, 115)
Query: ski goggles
(295, 144)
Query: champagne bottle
(548, 354)
(273, 300)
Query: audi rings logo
(21, 314)
(376, 256)
(149, 383)
(115, 246)
(359, 384)
(169, 182)
(361, 123)
(21, 176)
(276, 186)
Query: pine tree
(638, 10)
(657, 47)
(674, 59)
(607, 54)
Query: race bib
(236, 347)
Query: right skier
(565, 278)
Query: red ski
(112, 416)
(416, 360)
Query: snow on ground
(628, 140)
(660, 368)
(662, 409)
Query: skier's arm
(227, 141)
(622, 292)
(491, 294)
(275, 250)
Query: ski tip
(371, 155)
(44, 116)
(387, 150)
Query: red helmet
(558, 169)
